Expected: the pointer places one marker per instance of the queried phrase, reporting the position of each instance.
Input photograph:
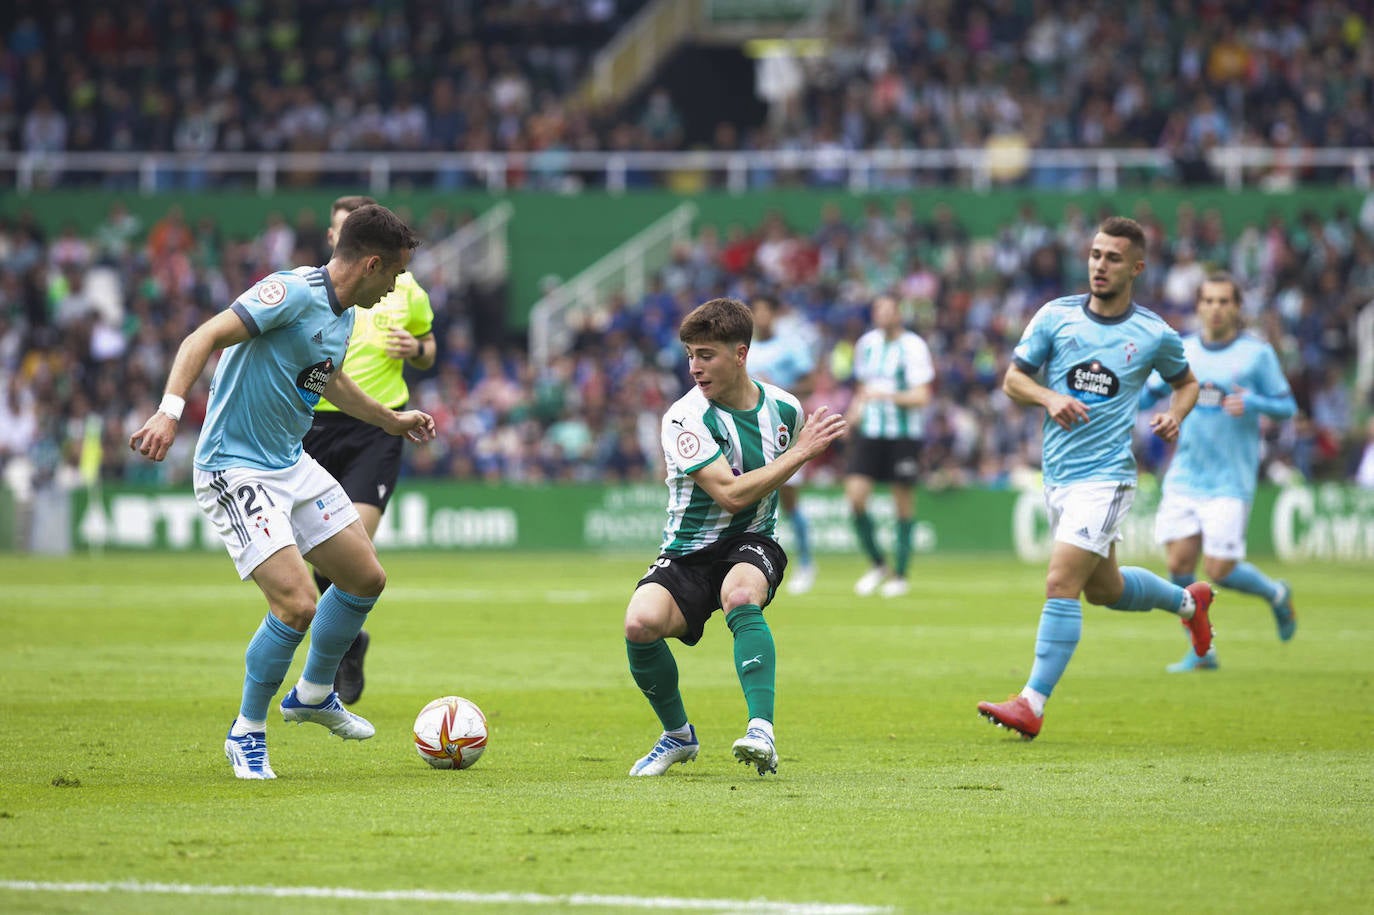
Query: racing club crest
(784, 437)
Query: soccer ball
(450, 733)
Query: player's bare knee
(641, 630)
(738, 597)
(366, 583)
(1217, 569)
(296, 610)
(1102, 595)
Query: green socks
(863, 527)
(904, 529)
(655, 673)
(755, 658)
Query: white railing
(859, 171)
(478, 252)
(626, 269)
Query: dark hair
(1221, 276)
(373, 229)
(718, 321)
(1125, 227)
(350, 202)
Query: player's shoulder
(1150, 318)
(278, 286)
(1064, 308)
(692, 404)
(779, 395)
(407, 284)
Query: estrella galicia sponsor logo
(1092, 382)
(313, 379)
(1210, 395)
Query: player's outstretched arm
(734, 493)
(157, 434)
(344, 393)
(1065, 410)
(1166, 424)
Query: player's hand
(1165, 426)
(1066, 411)
(401, 344)
(414, 425)
(156, 436)
(1234, 403)
(822, 428)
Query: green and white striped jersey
(888, 366)
(696, 432)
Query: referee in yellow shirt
(365, 460)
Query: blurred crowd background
(90, 315)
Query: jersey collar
(335, 305)
(1100, 319)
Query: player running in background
(273, 505)
(1210, 482)
(894, 372)
(783, 354)
(729, 444)
(1096, 352)
(366, 461)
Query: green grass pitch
(1250, 789)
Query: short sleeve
(1169, 359)
(688, 445)
(274, 301)
(1036, 342)
(419, 311)
(920, 367)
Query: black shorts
(365, 459)
(886, 460)
(695, 580)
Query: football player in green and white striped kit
(729, 445)
(894, 372)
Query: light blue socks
(339, 617)
(1144, 590)
(266, 662)
(1061, 625)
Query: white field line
(462, 896)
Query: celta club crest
(784, 437)
(1131, 350)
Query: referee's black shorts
(364, 459)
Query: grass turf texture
(1246, 790)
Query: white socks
(1037, 700)
(243, 726)
(312, 693)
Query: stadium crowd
(89, 323)
(465, 76)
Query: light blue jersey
(263, 395)
(780, 360)
(1103, 362)
(1218, 454)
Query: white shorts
(1220, 520)
(1089, 515)
(258, 512)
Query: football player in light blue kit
(1210, 483)
(782, 354)
(1096, 352)
(272, 504)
